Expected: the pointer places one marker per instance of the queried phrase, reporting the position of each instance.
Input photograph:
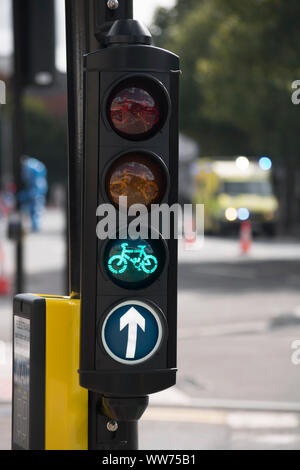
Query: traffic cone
(190, 235)
(5, 285)
(245, 237)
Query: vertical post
(33, 60)
(80, 40)
(87, 22)
(18, 133)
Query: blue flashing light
(243, 214)
(265, 163)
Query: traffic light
(129, 284)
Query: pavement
(239, 317)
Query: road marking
(260, 420)
(274, 439)
(188, 415)
(172, 396)
(175, 397)
(222, 330)
(232, 419)
(244, 405)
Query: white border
(158, 342)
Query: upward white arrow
(132, 319)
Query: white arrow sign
(132, 319)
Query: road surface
(238, 319)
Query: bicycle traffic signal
(129, 282)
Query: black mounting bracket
(105, 17)
(113, 422)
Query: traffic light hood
(128, 32)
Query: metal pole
(80, 40)
(18, 134)
(87, 22)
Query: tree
(187, 31)
(239, 60)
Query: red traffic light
(137, 108)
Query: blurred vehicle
(236, 191)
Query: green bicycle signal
(134, 264)
(118, 264)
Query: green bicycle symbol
(118, 264)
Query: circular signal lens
(134, 264)
(138, 176)
(137, 108)
(132, 332)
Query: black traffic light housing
(128, 62)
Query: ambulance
(236, 191)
